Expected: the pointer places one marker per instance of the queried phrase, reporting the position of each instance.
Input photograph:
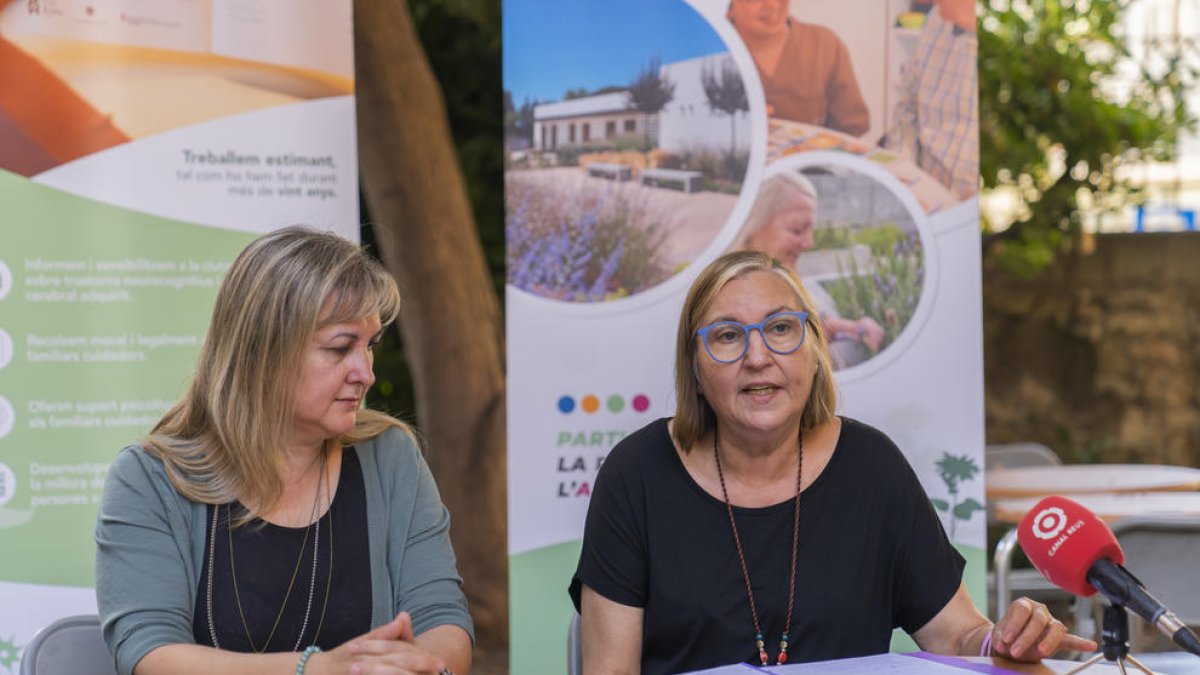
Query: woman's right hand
(870, 333)
(388, 649)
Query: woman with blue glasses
(757, 525)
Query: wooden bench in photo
(610, 170)
(690, 180)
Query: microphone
(1077, 552)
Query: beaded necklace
(737, 541)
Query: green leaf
(967, 508)
(941, 504)
(1053, 133)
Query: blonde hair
(772, 198)
(225, 438)
(694, 418)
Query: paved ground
(691, 221)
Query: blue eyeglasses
(728, 341)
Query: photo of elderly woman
(855, 245)
(806, 72)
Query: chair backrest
(69, 646)
(1163, 552)
(1015, 455)
(574, 647)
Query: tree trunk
(450, 319)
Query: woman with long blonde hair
(270, 523)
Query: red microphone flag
(1063, 539)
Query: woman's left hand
(388, 649)
(1028, 632)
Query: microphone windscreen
(1063, 539)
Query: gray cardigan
(150, 549)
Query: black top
(265, 557)
(873, 555)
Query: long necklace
(737, 541)
(315, 528)
(328, 581)
(329, 571)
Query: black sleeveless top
(329, 600)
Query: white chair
(1004, 581)
(1164, 552)
(69, 646)
(1014, 455)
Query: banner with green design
(142, 145)
(643, 141)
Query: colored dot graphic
(614, 403)
(566, 405)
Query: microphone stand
(1114, 645)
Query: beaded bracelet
(305, 656)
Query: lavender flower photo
(626, 146)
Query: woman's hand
(389, 649)
(1028, 632)
(870, 333)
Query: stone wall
(1099, 358)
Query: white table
(786, 138)
(1077, 479)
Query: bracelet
(986, 649)
(305, 656)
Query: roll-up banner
(650, 138)
(142, 144)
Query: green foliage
(954, 469)
(568, 155)
(724, 89)
(580, 92)
(726, 95)
(719, 167)
(889, 292)
(825, 238)
(580, 248)
(1053, 128)
(881, 239)
(967, 508)
(9, 654)
(650, 91)
(518, 122)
